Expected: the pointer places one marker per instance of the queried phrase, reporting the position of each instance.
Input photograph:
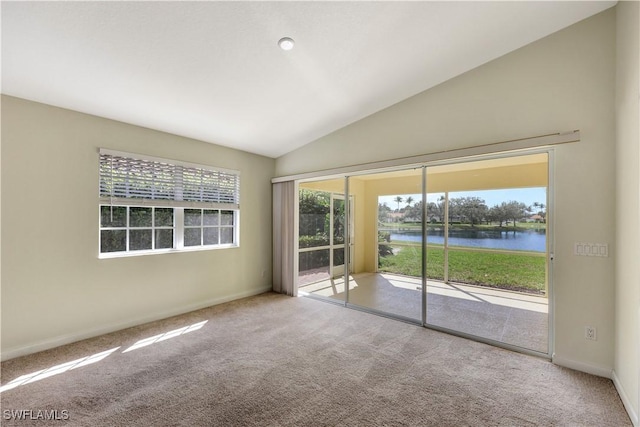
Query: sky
(527, 196)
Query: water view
(529, 240)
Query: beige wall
(627, 250)
(54, 287)
(560, 83)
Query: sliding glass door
(461, 247)
(392, 204)
(487, 257)
(322, 227)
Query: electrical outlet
(590, 333)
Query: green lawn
(521, 272)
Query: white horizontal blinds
(133, 180)
(203, 185)
(128, 178)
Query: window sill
(109, 255)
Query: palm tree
(541, 211)
(398, 200)
(540, 206)
(409, 201)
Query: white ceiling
(213, 70)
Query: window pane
(193, 217)
(164, 217)
(192, 236)
(226, 235)
(211, 236)
(338, 257)
(113, 216)
(226, 218)
(113, 241)
(139, 217)
(164, 239)
(211, 217)
(313, 265)
(139, 239)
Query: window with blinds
(126, 180)
(149, 204)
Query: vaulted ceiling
(213, 70)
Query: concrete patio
(509, 317)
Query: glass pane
(491, 280)
(435, 236)
(211, 236)
(164, 217)
(313, 267)
(211, 217)
(226, 218)
(113, 241)
(400, 231)
(398, 204)
(226, 235)
(140, 217)
(522, 272)
(338, 257)
(193, 217)
(164, 239)
(314, 210)
(113, 216)
(338, 221)
(192, 236)
(140, 239)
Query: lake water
(530, 240)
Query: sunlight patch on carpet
(56, 370)
(161, 337)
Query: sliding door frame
(550, 242)
(549, 255)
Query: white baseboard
(625, 399)
(601, 371)
(90, 333)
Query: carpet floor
(272, 360)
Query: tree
(472, 209)
(413, 213)
(454, 209)
(314, 210)
(515, 211)
(497, 214)
(398, 200)
(383, 212)
(541, 208)
(509, 211)
(436, 210)
(409, 201)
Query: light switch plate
(591, 249)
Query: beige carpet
(272, 360)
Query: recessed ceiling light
(286, 43)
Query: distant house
(395, 216)
(535, 218)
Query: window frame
(175, 203)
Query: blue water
(530, 240)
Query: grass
(519, 272)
